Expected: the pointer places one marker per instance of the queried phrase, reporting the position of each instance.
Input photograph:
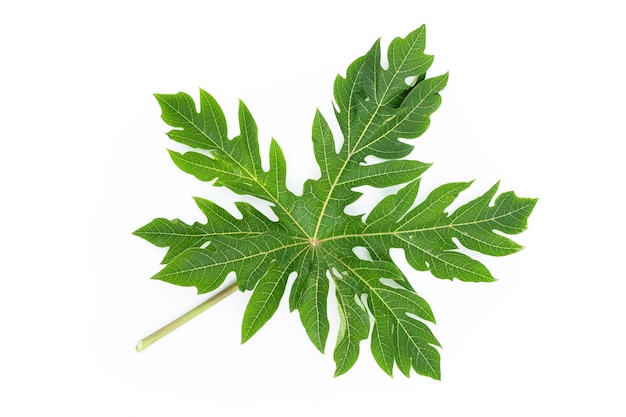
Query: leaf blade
(313, 304)
(377, 109)
(264, 301)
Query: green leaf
(427, 233)
(312, 297)
(396, 336)
(179, 236)
(354, 322)
(264, 301)
(249, 258)
(378, 111)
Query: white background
(536, 98)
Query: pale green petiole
(168, 328)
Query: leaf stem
(168, 328)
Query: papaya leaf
(314, 238)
